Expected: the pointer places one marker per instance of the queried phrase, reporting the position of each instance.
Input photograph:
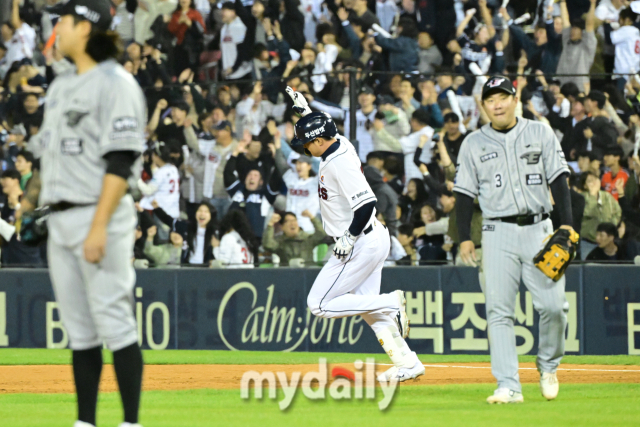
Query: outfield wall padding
(265, 309)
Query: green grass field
(30, 356)
(451, 405)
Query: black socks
(128, 366)
(87, 366)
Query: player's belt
(522, 220)
(63, 206)
(366, 231)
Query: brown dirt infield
(58, 378)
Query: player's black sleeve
(464, 212)
(562, 199)
(360, 218)
(119, 162)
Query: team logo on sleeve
(74, 117)
(563, 160)
(532, 157)
(125, 127)
(360, 194)
(122, 124)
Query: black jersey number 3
(498, 179)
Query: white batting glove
(344, 245)
(300, 104)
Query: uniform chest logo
(532, 157)
(534, 179)
(74, 117)
(322, 193)
(488, 157)
(298, 192)
(71, 146)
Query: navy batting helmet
(312, 126)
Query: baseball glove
(558, 252)
(33, 226)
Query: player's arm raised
(465, 22)
(564, 14)
(487, 18)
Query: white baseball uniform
(627, 42)
(167, 195)
(215, 159)
(301, 196)
(234, 251)
(352, 286)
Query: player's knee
(314, 306)
(553, 311)
(499, 314)
(119, 341)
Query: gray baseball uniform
(509, 173)
(86, 117)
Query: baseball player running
(349, 284)
(509, 165)
(90, 139)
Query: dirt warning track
(59, 378)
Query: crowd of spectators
(221, 186)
